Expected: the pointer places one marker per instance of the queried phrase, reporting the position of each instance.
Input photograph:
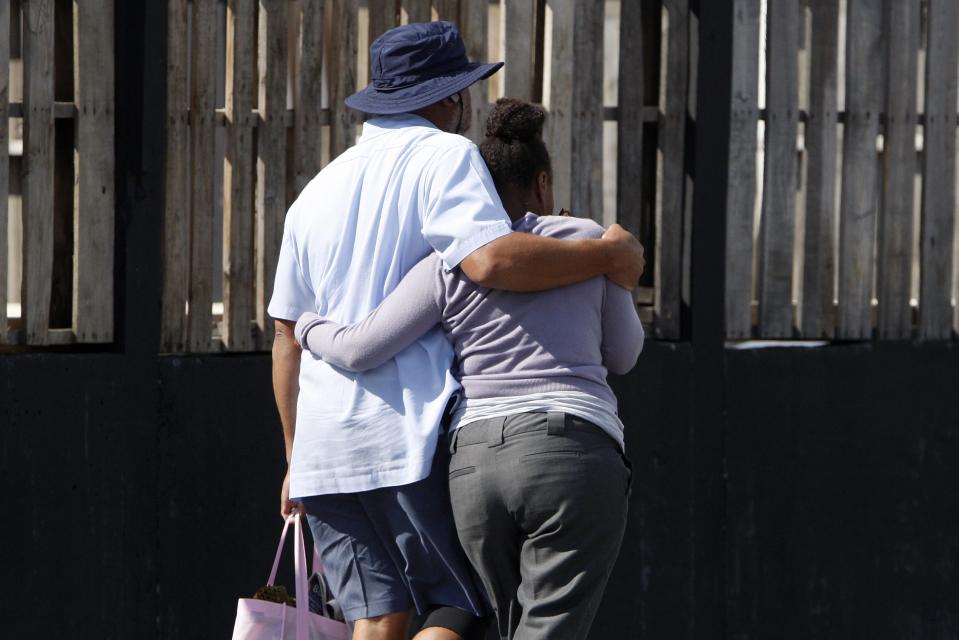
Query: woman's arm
(623, 334)
(408, 312)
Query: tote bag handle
(300, 577)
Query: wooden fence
(56, 171)
(288, 66)
(862, 243)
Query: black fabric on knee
(468, 626)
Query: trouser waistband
(494, 431)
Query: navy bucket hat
(416, 65)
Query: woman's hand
(306, 322)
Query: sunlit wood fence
(56, 171)
(285, 67)
(841, 217)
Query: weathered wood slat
(238, 289)
(779, 175)
(630, 119)
(4, 161)
(309, 112)
(342, 118)
(176, 224)
(93, 218)
(741, 187)
(672, 141)
(38, 168)
(202, 156)
(383, 17)
(416, 11)
(818, 312)
(271, 155)
(586, 175)
(895, 239)
(558, 98)
(474, 21)
(520, 22)
(860, 187)
(939, 171)
(448, 10)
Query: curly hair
(513, 148)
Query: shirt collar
(381, 124)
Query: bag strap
(302, 583)
(279, 551)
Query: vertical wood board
(741, 185)
(519, 22)
(4, 161)
(383, 17)
(38, 133)
(817, 311)
(586, 126)
(779, 174)
(238, 289)
(176, 223)
(308, 110)
(93, 218)
(860, 177)
(448, 10)
(629, 121)
(202, 155)
(939, 174)
(474, 19)
(343, 77)
(416, 11)
(672, 142)
(558, 129)
(895, 239)
(271, 154)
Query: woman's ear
(544, 192)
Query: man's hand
(288, 506)
(628, 257)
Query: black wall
(779, 493)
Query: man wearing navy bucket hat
(363, 449)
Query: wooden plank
(416, 11)
(448, 10)
(176, 223)
(779, 175)
(586, 175)
(519, 23)
(741, 185)
(4, 161)
(238, 288)
(93, 219)
(818, 312)
(203, 156)
(384, 16)
(271, 155)
(672, 142)
(308, 111)
(939, 171)
(38, 142)
(629, 126)
(64, 180)
(474, 19)
(342, 118)
(895, 238)
(859, 196)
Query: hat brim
(408, 99)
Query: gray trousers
(540, 502)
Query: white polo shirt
(404, 190)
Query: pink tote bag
(261, 620)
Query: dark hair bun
(512, 119)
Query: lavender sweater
(506, 344)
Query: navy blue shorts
(395, 548)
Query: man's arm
(526, 262)
(286, 388)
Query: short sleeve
(292, 294)
(462, 211)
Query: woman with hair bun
(538, 477)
